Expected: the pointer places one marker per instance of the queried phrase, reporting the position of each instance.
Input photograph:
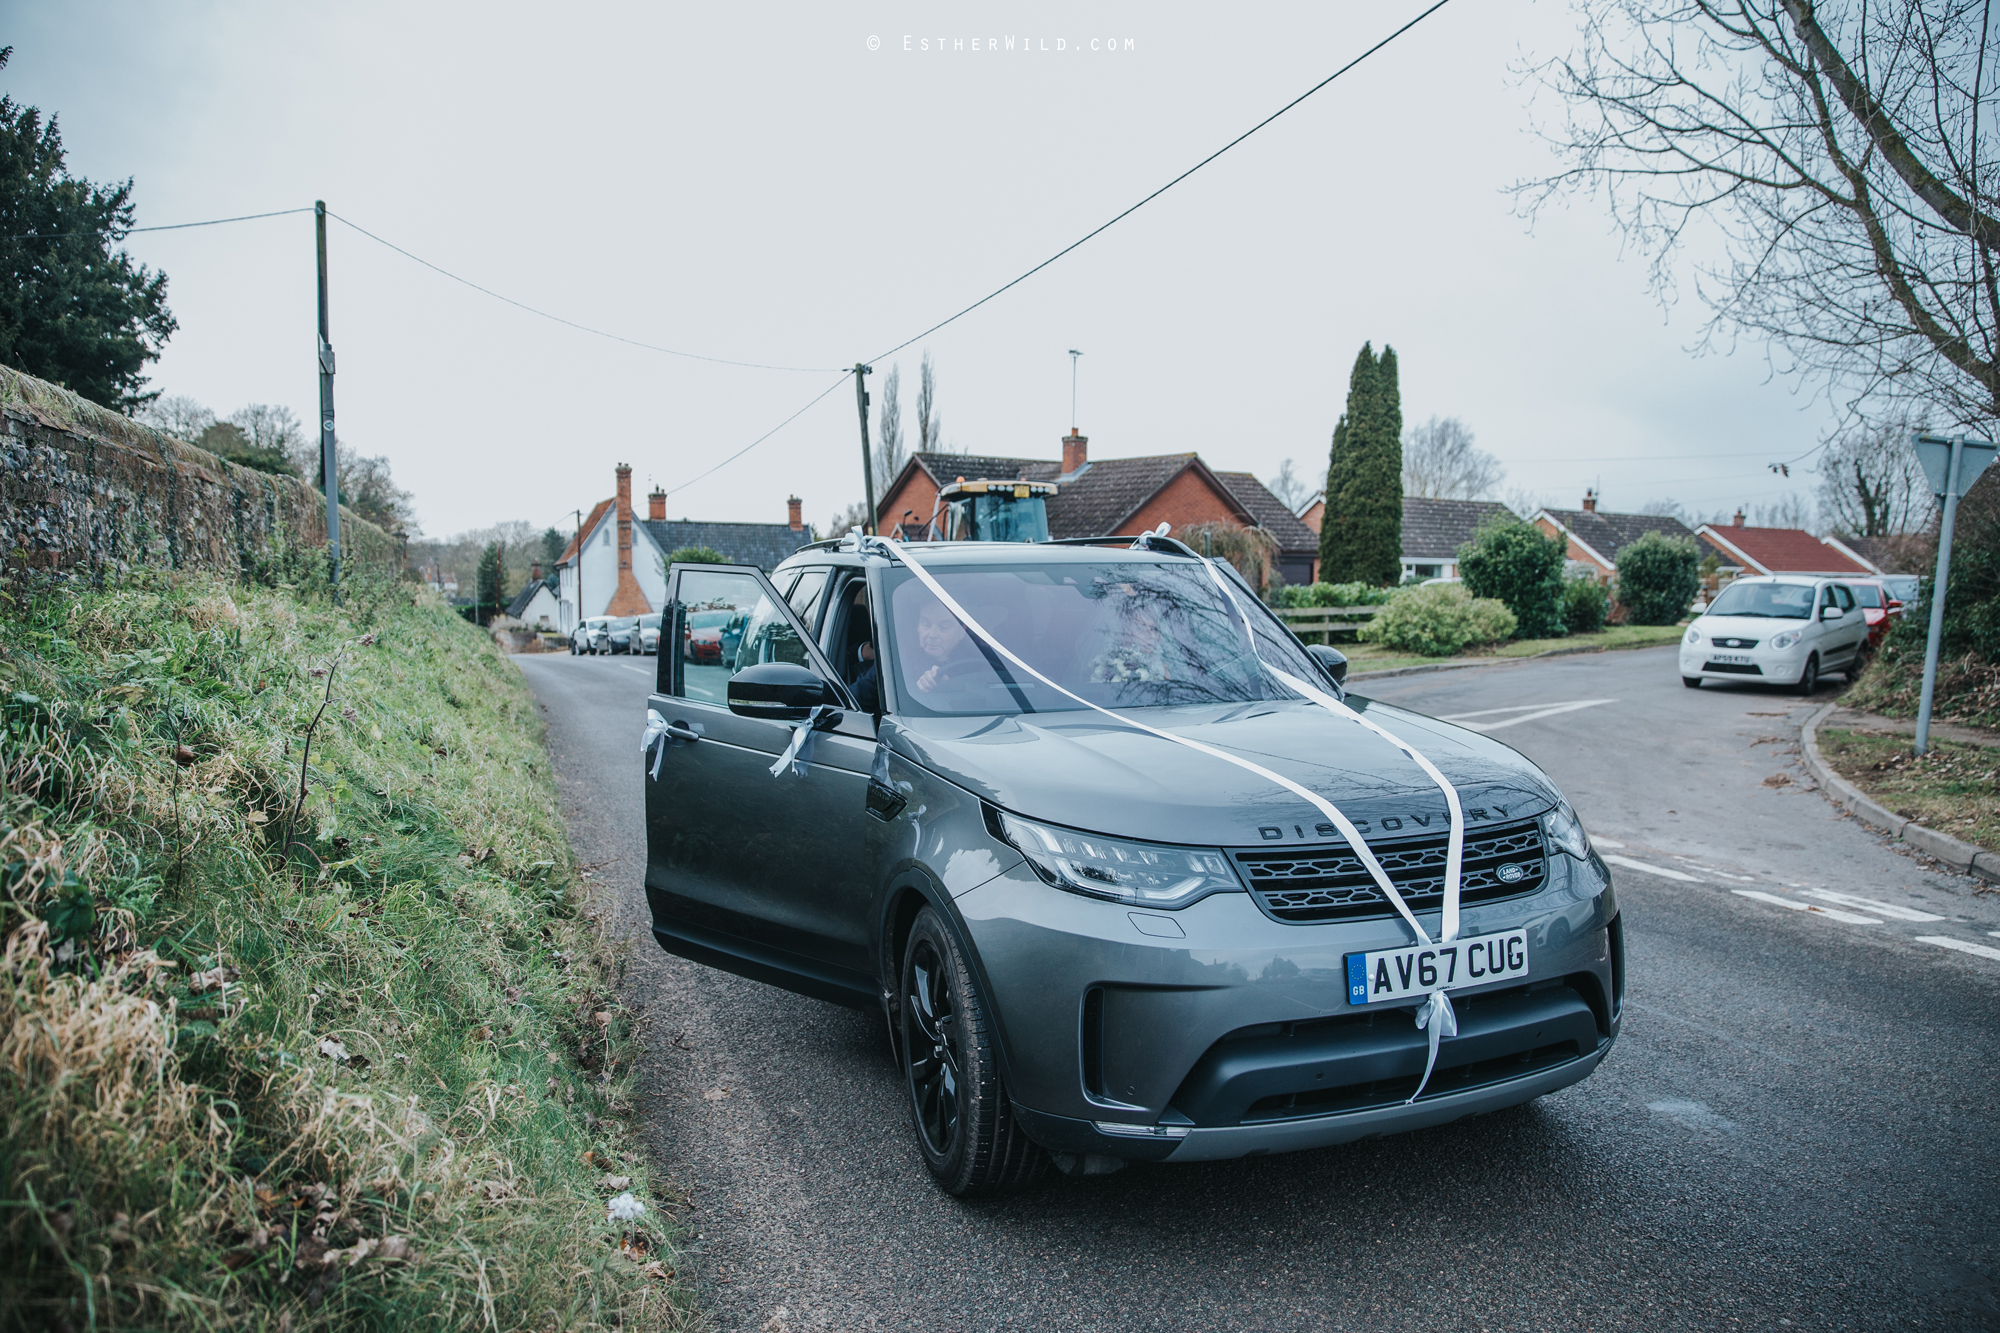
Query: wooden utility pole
(867, 460)
(329, 463)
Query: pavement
(1796, 1129)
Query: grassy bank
(1968, 685)
(1953, 788)
(1372, 657)
(372, 1082)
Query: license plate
(1399, 974)
(1731, 659)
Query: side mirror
(1831, 613)
(781, 691)
(1331, 660)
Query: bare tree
(1838, 149)
(889, 450)
(179, 416)
(1669, 508)
(930, 426)
(265, 426)
(367, 488)
(854, 516)
(1870, 484)
(1440, 462)
(1290, 487)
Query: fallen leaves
(333, 1050)
(1778, 780)
(715, 1094)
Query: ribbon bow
(800, 752)
(655, 735)
(1436, 1014)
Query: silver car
(1071, 874)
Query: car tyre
(1692, 682)
(1809, 677)
(966, 1128)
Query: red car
(1877, 606)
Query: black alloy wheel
(966, 1129)
(1809, 678)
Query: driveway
(1796, 1129)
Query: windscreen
(1776, 601)
(1120, 635)
(1868, 595)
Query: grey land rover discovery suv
(1068, 873)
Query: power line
(766, 435)
(172, 226)
(584, 328)
(1170, 184)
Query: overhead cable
(584, 328)
(172, 226)
(1170, 184)
(844, 375)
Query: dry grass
(379, 1083)
(1953, 788)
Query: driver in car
(954, 660)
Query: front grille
(1733, 668)
(1329, 883)
(1734, 643)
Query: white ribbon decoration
(800, 752)
(1438, 1003)
(656, 734)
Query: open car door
(761, 875)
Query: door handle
(681, 731)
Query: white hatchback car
(1775, 630)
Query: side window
(730, 623)
(804, 598)
(1846, 596)
(1826, 596)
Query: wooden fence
(1319, 624)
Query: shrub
(1658, 577)
(697, 555)
(1331, 594)
(1512, 561)
(1439, 620)
(1585, 605)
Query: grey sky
(755, 183)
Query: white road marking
(641, 670)
(1871, 905)
(1740, 879)
(1651, 869)
(1850, 918)
(1529, 713)
(1963, 946)
(1605, 842)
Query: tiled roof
(1091, 504)
(1270, 512)
(1435, 529)
(1782, 550)
(1898, 553)
(759, 544)
(597, 511)
(1607, 534)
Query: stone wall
(83, 488)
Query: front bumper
(1765, 666)
(1216, 1031)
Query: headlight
(1692, 637)
(1145, 874)
(1787, 639)
(1565, 831)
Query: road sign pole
(867, 460)
(1938, 584)
(328, 462)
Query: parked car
(1878, 606)
(1778, 630)
(589, 635)
(1905, 588)
(1093, 943)
(649, 633)
(621, 634)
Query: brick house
(1784, 551)
(1595, 538)
(1112, 497)
(623, 558)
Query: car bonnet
(1079, 769)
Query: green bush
(1658, 577)
(1438, 620)
(1585, 605)
(1512, 561)
(697, 555)
(1331, 594)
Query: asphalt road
(1795, 1130)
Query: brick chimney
(629, 599)
(1590, 502)
(795, 513)
(656, 505)
(1075, 456)
(535, 572)
(1737, 522)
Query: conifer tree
(1361, 534)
